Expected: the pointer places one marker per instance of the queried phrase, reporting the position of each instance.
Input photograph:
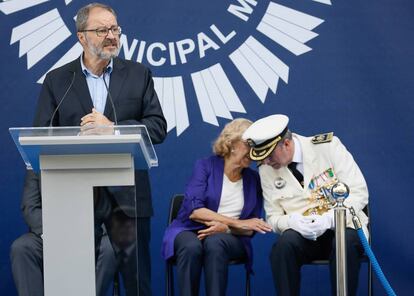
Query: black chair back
(175, 206)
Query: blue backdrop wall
(342, 66)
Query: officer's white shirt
(298, 156)
(287, 196)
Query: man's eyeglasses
(103, 32)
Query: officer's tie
(298, 175)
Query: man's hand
(254, 224)
(321, 223)
(95, 119)
(302, 225)
(311, 227)
(213, 228)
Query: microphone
(109, 95)
(63, 98)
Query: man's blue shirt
(96, 85)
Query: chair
(363, 259)
(116, 288)
(175, 206)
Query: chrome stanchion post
(340, 191)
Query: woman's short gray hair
(83, 14)
(231, 133)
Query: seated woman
(219, 214)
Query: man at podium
(97, 89)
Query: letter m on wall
(243, 10)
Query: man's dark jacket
(136, 102)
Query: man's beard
(98, 50)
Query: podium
(71, 162)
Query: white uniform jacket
(283, 195)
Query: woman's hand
(254, 224)
(213, 228)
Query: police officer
(293, 171)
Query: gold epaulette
(322, 138)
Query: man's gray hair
(287, 135)
(83, 14)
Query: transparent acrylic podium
(73, 164)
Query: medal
(280, 183)
(312, 185)
(320, 198)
